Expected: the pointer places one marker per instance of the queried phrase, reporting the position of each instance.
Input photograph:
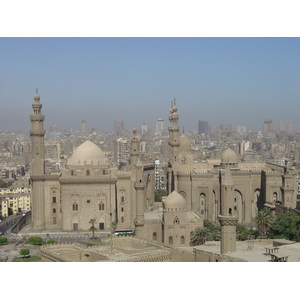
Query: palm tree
(264, 220)
(92, 228)
(200, 235)
(114, 226)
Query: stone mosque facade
(225, 191)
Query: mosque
(89, 187)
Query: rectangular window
(53, 199)
(101, 226)
(122, 199)
(54, 220)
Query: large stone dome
(87, 153)
(185, 143)
(229, 157)
(175, 202)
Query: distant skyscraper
(280, 126)
(160, 125)
(83, 125)
(119, 127)
(268, 128)
(144, 128)
(241, 129)
(289, 127)
(225, 127)
(203, 127)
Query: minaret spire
(37, 137)
(173, 133)
(37, 164)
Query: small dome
(87, 153)
(36, 97)
(229, 157)
(185, 143)
(174, 201)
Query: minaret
(173, 134)
(139, 186)
(227, 220)
(135, 149)
(37, 137)
(37, 165)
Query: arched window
(170, 240)
(88, 173)
(202, 199)
(101, 206)
(239, 205)
(182, 240)
(54, 210)
(274, 197)
(75, 206)
(122, 219)
(154, 236)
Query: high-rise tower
(83, 125)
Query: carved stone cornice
(228, 220)
(81, 180)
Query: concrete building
(203, 127)
(160, 125)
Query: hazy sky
(242, 81)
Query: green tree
(200, 235)
(3, 240)
(264, 220)
(50, 242)
(243, 233)
(286, 226)
(158, 194)
(24, 252)
(35, 240)
(93, 228)
(215, 229)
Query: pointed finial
(183, 129)
(174, 101)
(171, 103)
(37, 90)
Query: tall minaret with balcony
(139, 186)
(37, 165)
(227, 218)
(173, 134)
(37, 138)
(135, 149)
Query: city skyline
(238, 81)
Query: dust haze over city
(241, 81)
(245, 88)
